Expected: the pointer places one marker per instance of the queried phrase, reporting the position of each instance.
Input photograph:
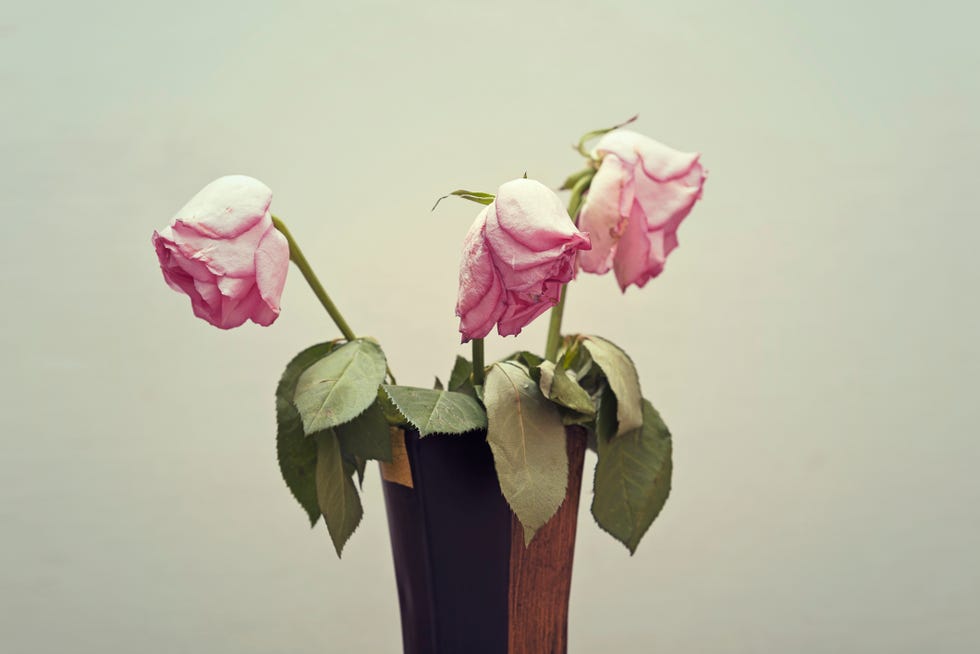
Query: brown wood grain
(541, 573)
(399, 470)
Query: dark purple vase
(466, 582)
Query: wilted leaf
(605, 418)
(623, 379)
(632, 479)
(297, 453)
(562, 389)
(437, 412)
(529, 447)
(341, 385)
(366, 436)
(461, 378)
(336, 494)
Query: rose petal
(601, 216)
(659, 161)
(528, 224)
(235, 311)
(518, 252)
(271, 267)
(210, 294)
(519, 314)
(479, 304)
(532, 215)
(263, 314)
(233, 256)
(235, 288)
(658, 187)
(222, 250)
(670, 201)
(227, 207)
(633, 264)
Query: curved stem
(296, 256)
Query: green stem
(478, 364)
(296, 256)
(554, 327)
(554, 324)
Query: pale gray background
(812, 343)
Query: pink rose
(637, 200)
(516, 256)
(222, 250)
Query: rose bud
(517, 255)
(637, 200)
(222, 250)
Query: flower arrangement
(338, 404)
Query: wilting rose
(516, 256)
(222, 250)
(637, 200)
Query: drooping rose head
(222, 250)
(637, 200)
(516, 256)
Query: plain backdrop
(812, 343)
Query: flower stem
(478, 364)
(296, 256)
(554, 327)
(554, 324)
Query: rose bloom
(516, 256)
(636, 202)
(222, 250)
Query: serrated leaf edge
(423, 431)
(329, 394)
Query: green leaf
(577, 361)
(297, 463)
(297, 453)
(461, 378)
(367, 436)
(473, 196)
(360, 465)
(623, 379)
(562, 389)
(340, 386)
(569, 353)
(437, 412)
(605, 417)
(575, 178)
(590, 376)
(390, 411)
(569, 417)
(438, 385)
(528, 359)
(588, 136)
(336, 494)
(528, 442)
(632, 479)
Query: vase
(466, 582)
